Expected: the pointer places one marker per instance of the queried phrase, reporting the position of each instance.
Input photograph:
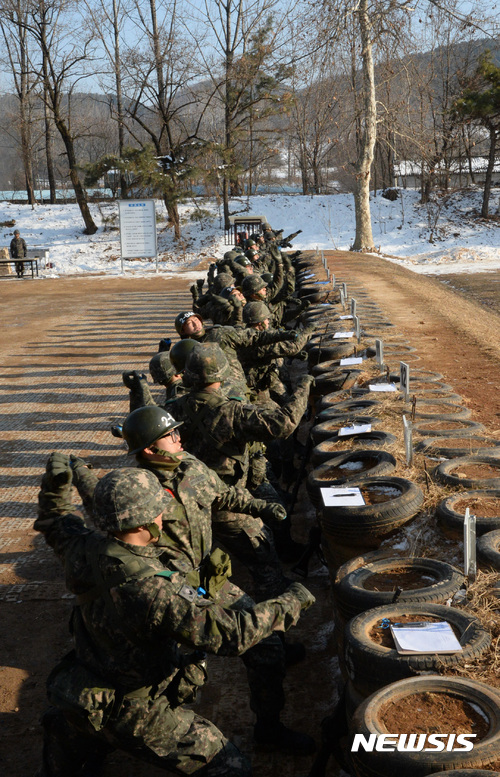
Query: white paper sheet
(342, 497)
(382, 387)
(348, 430)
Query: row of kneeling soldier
(151, 581)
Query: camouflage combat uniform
(207, 507)
(218, 428)
(125, 683)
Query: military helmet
(252, 284)
(206, 364)
(251, 254)
(232, 254)
(222, 280)
(126, 498)
(267, 277)
(161, 368)
(254, 237)
(142, 427)
(179, 353)
(243, 261)
(255, 313)
(181, 319)
(226, 293)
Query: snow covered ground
(444, 237)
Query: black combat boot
(272, 734)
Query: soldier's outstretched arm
(261, 424)
(85, 481)
(56, 520)
(140, 393)
(202, 623)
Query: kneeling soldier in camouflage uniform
(126, 682)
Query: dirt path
(452, 333)
(63, 345)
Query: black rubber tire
(367, 524)
(469, 773)
(370, 665)
(476, 444)
(444, 472)
(430, 375)
(382, 463)
(352, 597)
(446, 411)
(366, 720)
(329, 429)
(488, 549)
(318, 354)
(347, 406)
(418, 386)
(462, 428)
(328, 448)
(327, 382)
(452, 521)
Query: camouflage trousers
(249, 541)
(177, 741)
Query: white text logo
(412, 743)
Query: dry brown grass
(484, 605)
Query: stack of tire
(378, 588)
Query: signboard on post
(404, 379)
(138, 230)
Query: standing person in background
(18, 251)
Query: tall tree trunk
(80, 194)
(119, 98)
(489, 173)
(363, 240)
(170, 202)
(48, 152)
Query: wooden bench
(8, 263)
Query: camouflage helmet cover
(161, 368)
(222, 280)
(180, 352)
(144, 426)
(232, 254)
(255, 312)
(126, 498)
(252, 284)
(181, 319)
(206, 364)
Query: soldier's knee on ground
(228, 761)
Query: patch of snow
(462, 241)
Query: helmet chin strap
(172, 460)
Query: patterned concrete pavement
(60, 389)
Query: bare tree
(61, 66)
(16, 44)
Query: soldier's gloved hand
(132, 379)
(273, 512)
(77, 463)
(290, 334)
(304, 596)
(200, 283)
(193, 290)
(305, 380)
(58, 470)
